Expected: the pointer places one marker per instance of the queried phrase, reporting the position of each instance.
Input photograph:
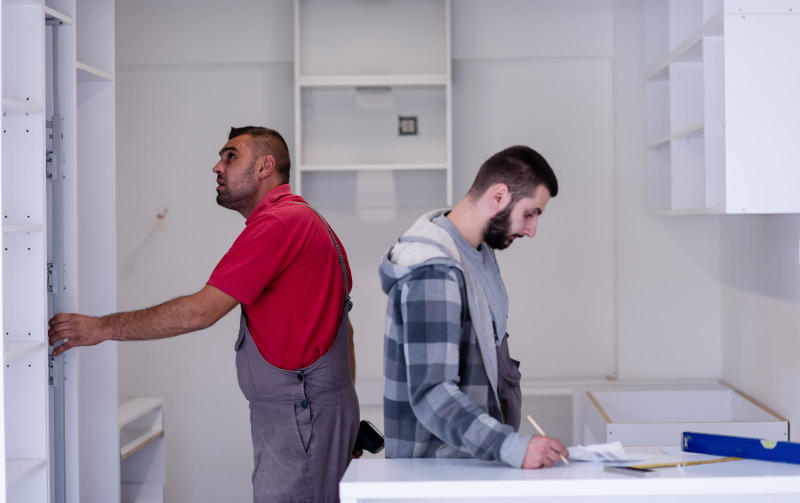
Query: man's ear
(499, 196)
(266, 166)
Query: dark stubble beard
(239, 196)
(498, 231)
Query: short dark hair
(521, 168)
(267, 142)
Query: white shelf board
(11, 106)
(14, 350)
(18, 469)
(132, 441)
(51, 12)
(371, 167)
(683, 133)
(13, 228)
(88, 72)
(135, 408)
(689, 50)
(713, 28)
(372, 80)
(692, 211)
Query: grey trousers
(303, 422)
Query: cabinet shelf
(136, 429)
(371, 167)
(88, 72)
(14, 228)
(689, 132)
(11, 106)
(689, 50)
(136, 408)
(14, 350)
(357, 74)
(719, 103)
(50, 12)
(372, 80)
(132, 442)
(18, 469)
(688, 212)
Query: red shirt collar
(269, 200)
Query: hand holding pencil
(543, 450)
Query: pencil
(541, 432)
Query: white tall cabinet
(360, 67)
(57, 56)
(722, 112)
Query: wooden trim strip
(599, 408)
(755, 402)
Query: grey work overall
(303, 422)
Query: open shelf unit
(142, 456)
(57, 162)
(720, 111)
(356, 72)
(24, 251)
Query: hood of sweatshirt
(424, 243)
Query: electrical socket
(407, 125)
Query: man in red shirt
(294, 350)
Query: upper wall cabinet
(722, 114)
(373, 90)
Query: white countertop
(376, 479)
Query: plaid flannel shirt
(438, 401)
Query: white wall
(540, 73)
(667, 268)
(761, 309)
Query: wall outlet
(406, 125)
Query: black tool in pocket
(369, 438)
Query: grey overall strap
(338, 250)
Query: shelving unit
(24, 249)
(142, 456)
(358, 68)
(720, 106)
(57, 171)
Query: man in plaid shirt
(450, 386)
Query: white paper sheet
(612, 451)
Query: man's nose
(217, 168)
(530, 230)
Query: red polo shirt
(284, 269)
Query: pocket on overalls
(302, 415)
(244, 375)
(508, 387)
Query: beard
(497, 233)
(238, 194)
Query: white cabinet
(59, 437)
(721, 115)
(360, 67)
(659, 417)
(142, 456)
(24, 248)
